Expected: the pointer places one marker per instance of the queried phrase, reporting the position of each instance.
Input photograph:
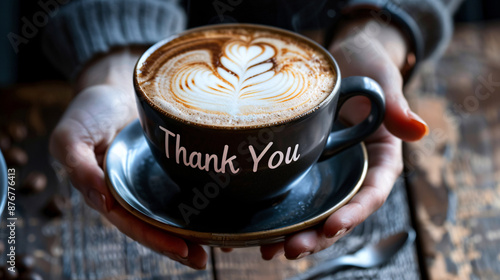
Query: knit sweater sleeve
(431, 19)
(85, 28)
(434, 19)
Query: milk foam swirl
(240, 80)
(246, 80)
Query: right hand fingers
(374, 62)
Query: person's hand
(104, 105)
(365, 48)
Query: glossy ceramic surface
(3, 184)
(140, 185)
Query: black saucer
(3, 185)
(141, 187)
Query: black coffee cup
(252, 165)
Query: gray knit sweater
(85, 28)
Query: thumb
(400, 120)
(70, 145)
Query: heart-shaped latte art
(245, 82)
(236, 77)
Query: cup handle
(347, 137)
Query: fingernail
(203, 267)
(193, 266)
(338, 234)
(97, 200)
(174, 257)
(303, 254)
(419, 122)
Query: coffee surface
(236, 77)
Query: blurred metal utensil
(370, 256)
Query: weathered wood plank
(392, 217)
(454, 171)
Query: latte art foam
(236, 77)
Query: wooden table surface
(454, 173)
(80, 244)
(451, 177)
